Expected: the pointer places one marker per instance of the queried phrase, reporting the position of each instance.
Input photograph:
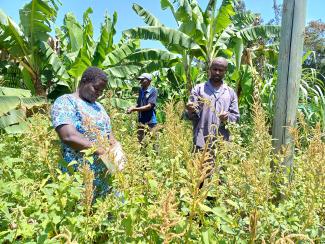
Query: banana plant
(22, 41)
(120, 61)
(200, 34)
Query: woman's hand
(100, 151)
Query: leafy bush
(162, 196)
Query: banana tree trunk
(39, 88)
(36, 78)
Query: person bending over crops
(211, 106)
(146, 106)
(82, 123)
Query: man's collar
(209, 83)
(149, 88)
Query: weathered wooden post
(289, 74)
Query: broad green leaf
(163, 34)
(22, 127)
(173, 79)
(8, 103)
(73, 31)
(184, 11)
(147, 17)
(85, 54)
(208, 236)
(191, 17)
(113, 31)
(104, 46)
(13, 117)
(127, 224)
(238, 50)
(222, 41)
(6, 91)
(223, 19)
(150, 55)
(232, 203)
(120, 53)
(88, 29)
(246, 83)
(12, 38)
(218, 211)
(118, 83)
(261, 31)
(152, 66)
(166, 4)
(123, 71)
(243, 19)
(30, 102)
(82, 62)
(56, 63)
(35, 19)
(210, 9)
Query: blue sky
(128, 19)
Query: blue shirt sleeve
(63, 111)
(153, 97)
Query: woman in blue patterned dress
(81, 123)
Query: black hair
(92, 74)
(221, 59)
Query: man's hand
(130, 110)
(223, 116)
(191, 107)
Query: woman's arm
(70, 136)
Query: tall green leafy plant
(22, 41)
(121, 61)
(200, 34)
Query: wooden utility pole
(289, 74)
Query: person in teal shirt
(70, 114)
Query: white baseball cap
(145, 76)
